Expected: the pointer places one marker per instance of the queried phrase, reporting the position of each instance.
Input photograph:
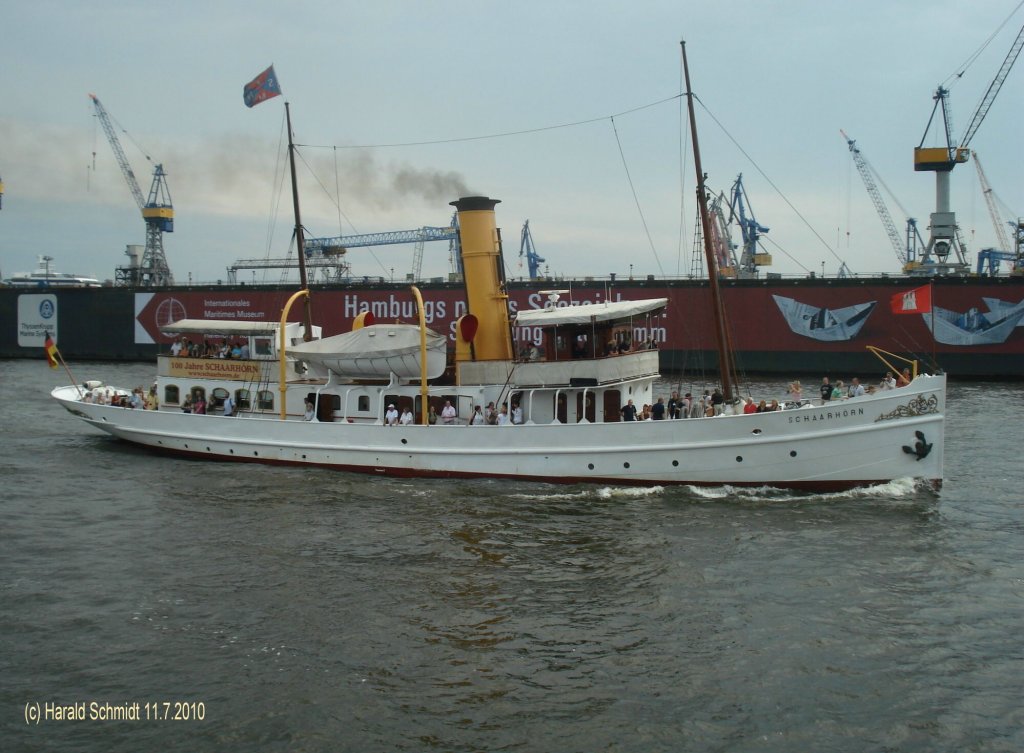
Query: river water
(309, 610)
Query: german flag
(51, 351)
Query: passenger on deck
(762, 407)
(448, 413)
(856, 388)
(718, 401)
(658, 410)
(503, 419)
(796, 391)
(199, 405)
(904, 378)
(826, 390)
(243, 350)
(152, 402)
(406, 417)
(228, 406)
(186, 407)
(491, 415)
(888, 382)
(675, 406)
(773, 406)
(517, 413)
(748, 405)
(628, 411)
(839, 391)
(391, 416)
(309, 414)
(477, 419)
(431, 415)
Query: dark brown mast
(300, 241)
(725, 361)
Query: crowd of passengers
(210, 349)
(138, 399)
(712, 403)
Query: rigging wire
(770, 181)
(337, 204)
(973, 57)
(504, 134)
(636, 198)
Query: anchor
(921, 447)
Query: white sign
(37, 316)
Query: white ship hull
(840, 445)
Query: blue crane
(320, 247)
(527, 249)
(751, 230)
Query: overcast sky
(780, 79)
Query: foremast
(300, 241)
(726, 360)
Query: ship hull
(123, 324)
(841, 445)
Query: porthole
(405, 441)
(675, 463)
(590, 466)
(755, 432)
(792, 453)
(625, 465)
(739, 458)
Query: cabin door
(612, 406)
(588, 411)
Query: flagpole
(65, 365)
(931, 303)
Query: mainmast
(725, 358)
(300, 242)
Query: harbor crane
(989, 258)
(327, 255)
(944, 237)
(906, 248)
(157, 211)
(750, 229)
(527, 249)
(998, 223)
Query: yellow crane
(944, 238)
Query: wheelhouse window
(265, 400)
(217, 397)
(172, 394)
(261, 346)
(363, 405)
(243, 399)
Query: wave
(896, 489)
(601, 492)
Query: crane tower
(945, 234)
(157, 211)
